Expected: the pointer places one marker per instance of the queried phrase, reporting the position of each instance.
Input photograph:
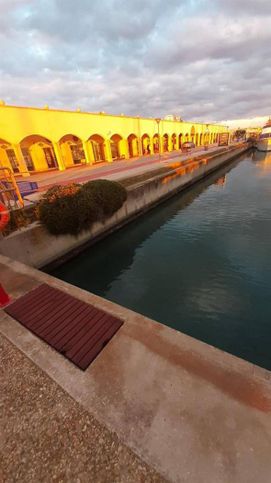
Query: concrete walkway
(47, 436)
(114, 170)
(191, 412)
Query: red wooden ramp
(74, 328)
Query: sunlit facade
(35, 140)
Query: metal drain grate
(74, 328)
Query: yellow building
(35, 140)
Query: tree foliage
(72, 209)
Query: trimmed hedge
(109, 195)
(59, 208)
(73, 208)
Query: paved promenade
(48, 436)
(115, 170)
(155, 404)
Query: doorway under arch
(132, 145)
(72, 150)
(145, 140)
(97, 144)
(38, 153)
(115, 141)
(8, 157)
(155, 143)
(174, 141)
(192, 134)
(165, 142)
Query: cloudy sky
(201, 59)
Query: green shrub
(89, 210)
(59, 208)
(73, 208)
(108, 195)
(58, 191)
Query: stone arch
(200, 140)
(115, 143)
(156, 143)
(206, 137)
(186, 137)
(180, 140)
(72, 150)
(165, 142)
(196, 139)
(192, 134)
(132, 145)
(174, 141)
(38, 153)
(145, 141)
(8, 157)
(97, 144)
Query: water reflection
(118, 253)
(198, 263)
(262, 159)
(221, 181)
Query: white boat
(264, 141)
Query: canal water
(200, 263)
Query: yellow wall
(66, 154)
(4, 158)
(16, 123)
(38, 157)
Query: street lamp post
(158, 120)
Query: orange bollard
(4, 298)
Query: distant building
(34, 139)
(252, 132)
(172, 117)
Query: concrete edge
(77, 383)
(130, 316)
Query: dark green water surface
(200, 263)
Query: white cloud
(204, 59)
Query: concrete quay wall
(192, 412)
(34, 246)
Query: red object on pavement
(4, 216)
(4, 298)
